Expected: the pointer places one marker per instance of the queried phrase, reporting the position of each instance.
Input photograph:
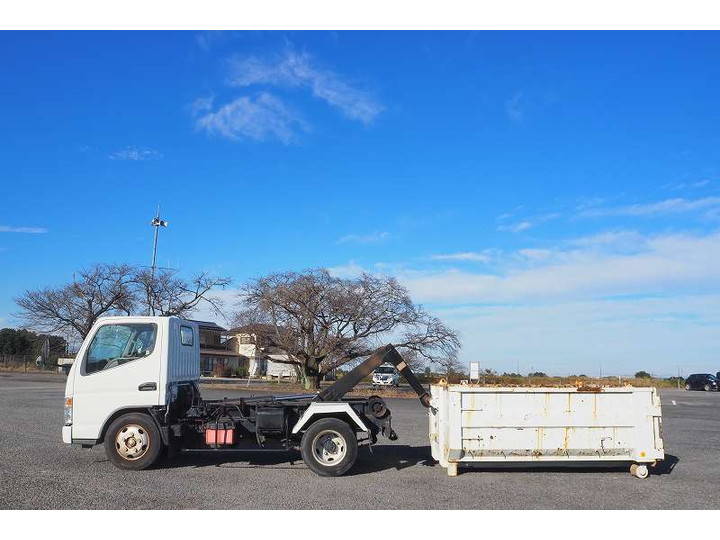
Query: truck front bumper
(67, 434)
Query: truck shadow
(382, 457)
(235, 460)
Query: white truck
(134, 388)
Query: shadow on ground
(663, 467)
(380, 458)
(386, 457)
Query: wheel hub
(132, 442)
(329, 447)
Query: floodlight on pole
(157, 223)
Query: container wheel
(329, 447)
(133, 442)
(639, 470)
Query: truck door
(120, 368)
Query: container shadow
(662, 468)
(391, 456)
(666, 466)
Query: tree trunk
(310, 377)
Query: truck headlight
(67, 412)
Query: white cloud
(133, 153)
(297, 70)
(526, 223)
(260, 118)
(371, 238)
(619, 299)
(535, 254)
(687, 185)
(27, 230)
(515, 227)
(667, 206)
(346, 271)
(623, 336)
(228, 299)
(202, 105)
(660, 263)
(514, 107)
(464, 256)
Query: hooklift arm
(389, 354)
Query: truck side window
(186, 335)
(117, 344)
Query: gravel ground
(38, 471)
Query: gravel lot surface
(38, 471)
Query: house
(263, 359)
(216, 355)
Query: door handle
(147, 387)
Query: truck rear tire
(329, 447)
(133, 442)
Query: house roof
(208, 325)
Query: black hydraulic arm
(388, 354)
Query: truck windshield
(116, 344)
(385, 370)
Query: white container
(476, 424)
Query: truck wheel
(687, 387)
(133, 442)
(329, 447)
(707, 388)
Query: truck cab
(125, 364)
(134, 387)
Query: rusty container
(472, 424)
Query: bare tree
(109, 289)
(164, 293)
(323, 322)
(103, 289)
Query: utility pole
(157, 223)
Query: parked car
(386, 376)
(701, 381)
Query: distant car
(386, 376)
(701, 381)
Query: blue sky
(555, 196)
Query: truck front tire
(133, 442)
(329, 447)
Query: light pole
(157, 223)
